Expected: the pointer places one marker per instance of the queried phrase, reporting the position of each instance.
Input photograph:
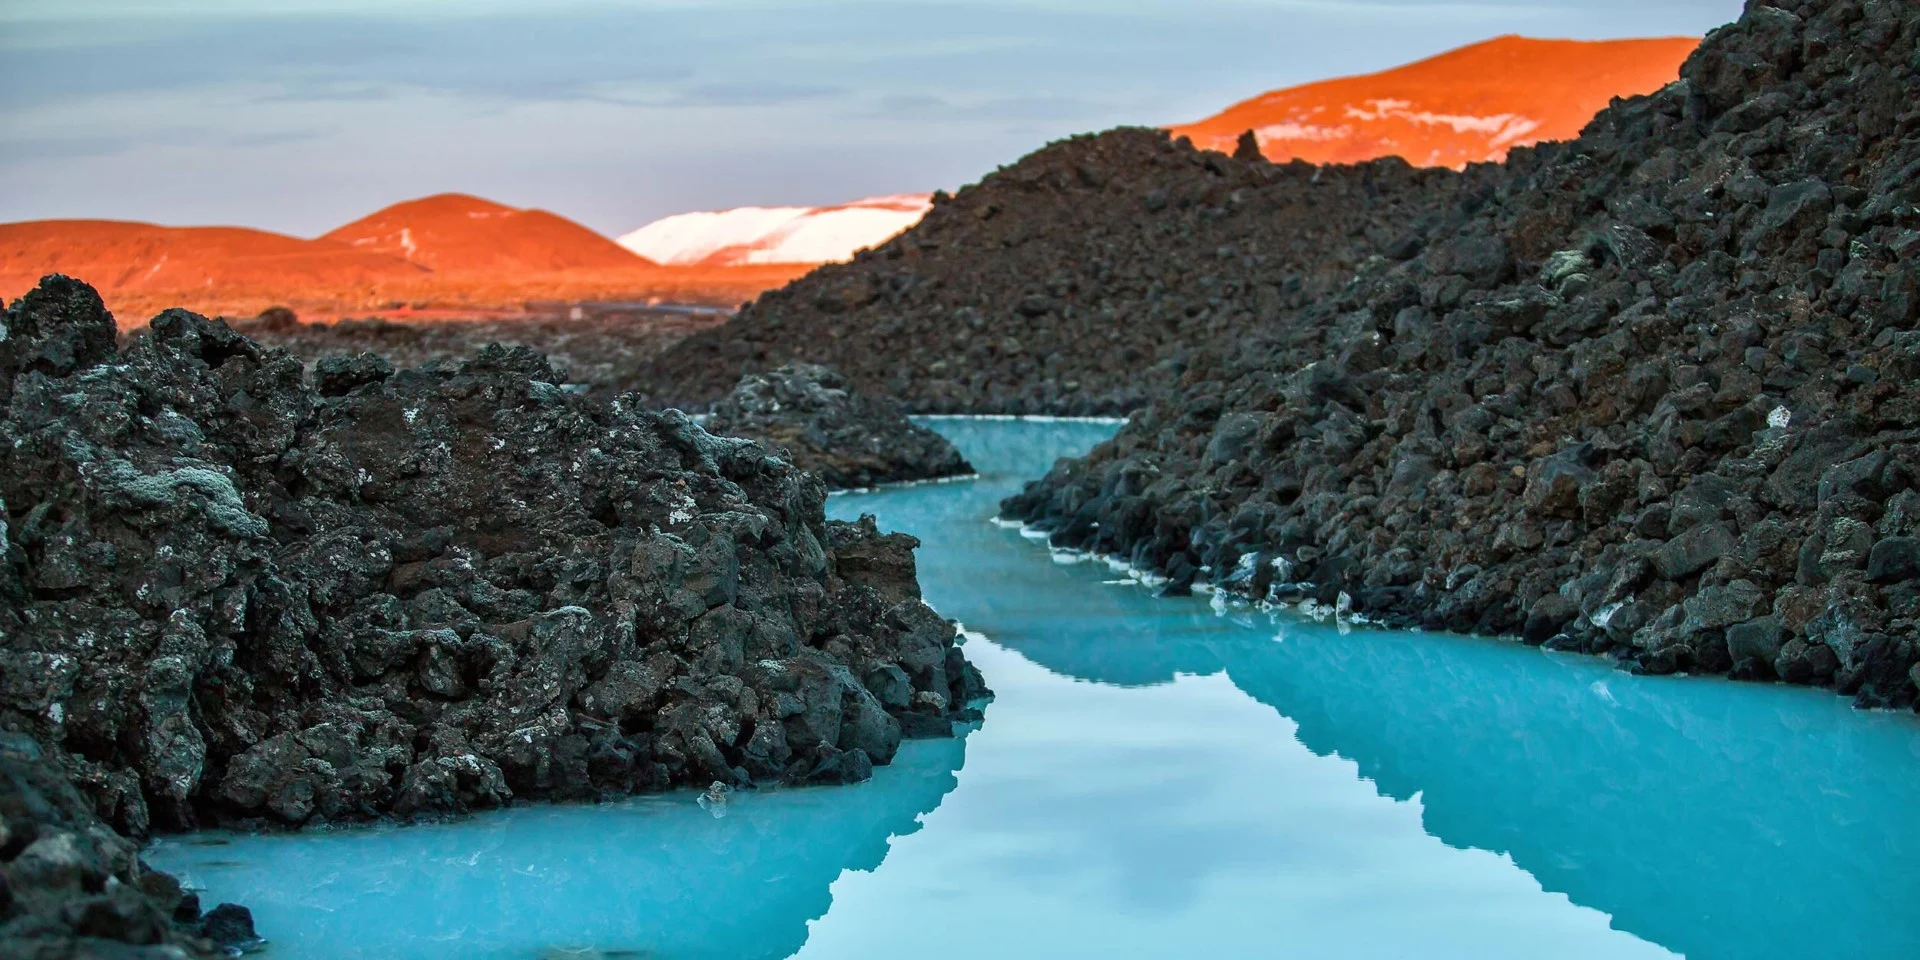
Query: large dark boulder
(826, 428)
(1894, 560)
(64, 327)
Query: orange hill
(139, 257)
(1461, 107)
(456, 233)
(443, 254)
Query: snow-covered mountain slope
(750, 235)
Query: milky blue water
(1158, 778)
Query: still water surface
(1161, 778)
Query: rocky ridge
(237, 594)
(1648, 393)
(1079, 281)
(846, 438)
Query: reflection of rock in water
(651, 877)
(1679, 807)
(595, 953)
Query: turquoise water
(1160, 778)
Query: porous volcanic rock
(603, 351)
(848, 439)
(71, 887)
(1079, 281)
(1654, 392)
(237, 595)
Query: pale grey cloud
(19, 146)
(753, 93)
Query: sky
(299, 116)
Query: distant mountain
(134, 259)
(767, 235)
(450, 253)
(1463, 106)
(457, 233)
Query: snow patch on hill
(754, 235)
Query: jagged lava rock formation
(603, 349)
(71, 887)
(1077, 281)
(1464, 106)
(848, 439)
(237, 595)
(1651, 392)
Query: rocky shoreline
(70, 886)
(1651, 394)
(240, 595)
(848, 439)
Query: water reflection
(1716, 819)
(654, 877)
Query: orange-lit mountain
(452, 233)
(449, 254)
(146, 267)
(1463, 106)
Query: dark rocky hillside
(1655, 393)
(844, 437)
(1077, 281)
(234, 594)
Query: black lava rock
(70, 886)
(1654, 391)
(231, 926)
(846, 438)
(1080, 281)
(1894, 560)
(235, 597)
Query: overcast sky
(299, 116)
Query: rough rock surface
(233, 594)
(848, 439)
(603, 349)
(1078, 281)
(71, 887)
(1653, 392)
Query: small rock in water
(714, 801)
(231, 926)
